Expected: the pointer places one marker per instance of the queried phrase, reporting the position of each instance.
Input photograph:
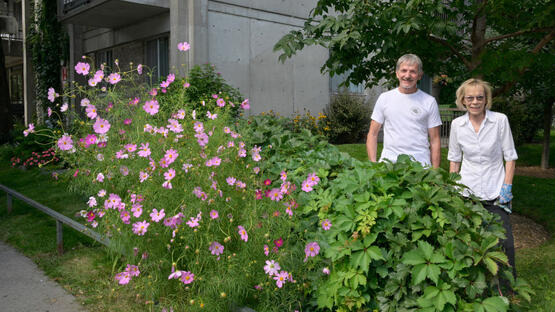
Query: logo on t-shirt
(416, 111)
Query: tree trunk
(547, 115)
(478, 35)
(6, 120)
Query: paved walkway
(24, 288)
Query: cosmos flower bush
(201, 220)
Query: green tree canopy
(498, 40)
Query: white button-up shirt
(482, 153)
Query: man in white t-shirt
(409, 116)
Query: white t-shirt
(482, 153)
(406, 119)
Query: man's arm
(372, 140)
(435, 146)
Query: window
(103, 57)
(16, 85)
(157, 57)
(425, 84)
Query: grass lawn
(86, 269)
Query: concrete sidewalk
(25, 288)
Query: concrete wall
(240, 44)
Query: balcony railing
(72, 4)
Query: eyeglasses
(479, 98)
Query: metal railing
(447, 115)
(60, 219)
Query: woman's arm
(454, 166)
(509, 171)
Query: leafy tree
(500, 41)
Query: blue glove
(505, 196)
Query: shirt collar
(489, 117)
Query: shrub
(525, 117)
(348, 119)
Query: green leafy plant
(403, 239)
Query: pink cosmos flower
(130, 147)
(306, 186)
(31, 129)
(326, 271)
(143, 176)
(65, 143)
(140, 69)
(171, 155)
(85, 102)
(211, 116)
(133, 270)
(180, 114)
(186, 167)
(215, 161)
(82, 68)
(123, 278)
(100, 177)
(114, 78)
(125, 216)
(279, 242)
(187, 277)
(127, 121)
(101, 193)
(156, 215)
(271, 267)
(230, 180)
(266, 250)
(311, 250)
(151, 107)
(140, 228)
(121, 154)
(326, 224)
(313, 179)
(64, 107)
(283, 176)
(183, 46)
(144, 150)
(281, 278)
(167, 185)
(194, 222)
(267, 182)
(242, 153)
(91, 202)
(91, 111)
(214, 214)
(49, 112)
(243, 233)
(220, 102)
(245, 104)
(275, 194)
(170, 174)
(52, 95)
(101, 125)
(216, 248)
(137, 210)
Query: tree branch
(507, 86)
(515, 34)
(455, 51)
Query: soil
(536, 172)
(527, 233)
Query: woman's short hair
(410, 59)
(471, 83)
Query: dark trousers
(508, 243)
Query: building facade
(11, 36)
(237, 36)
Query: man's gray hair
(410, 59)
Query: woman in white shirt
(481, 140)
